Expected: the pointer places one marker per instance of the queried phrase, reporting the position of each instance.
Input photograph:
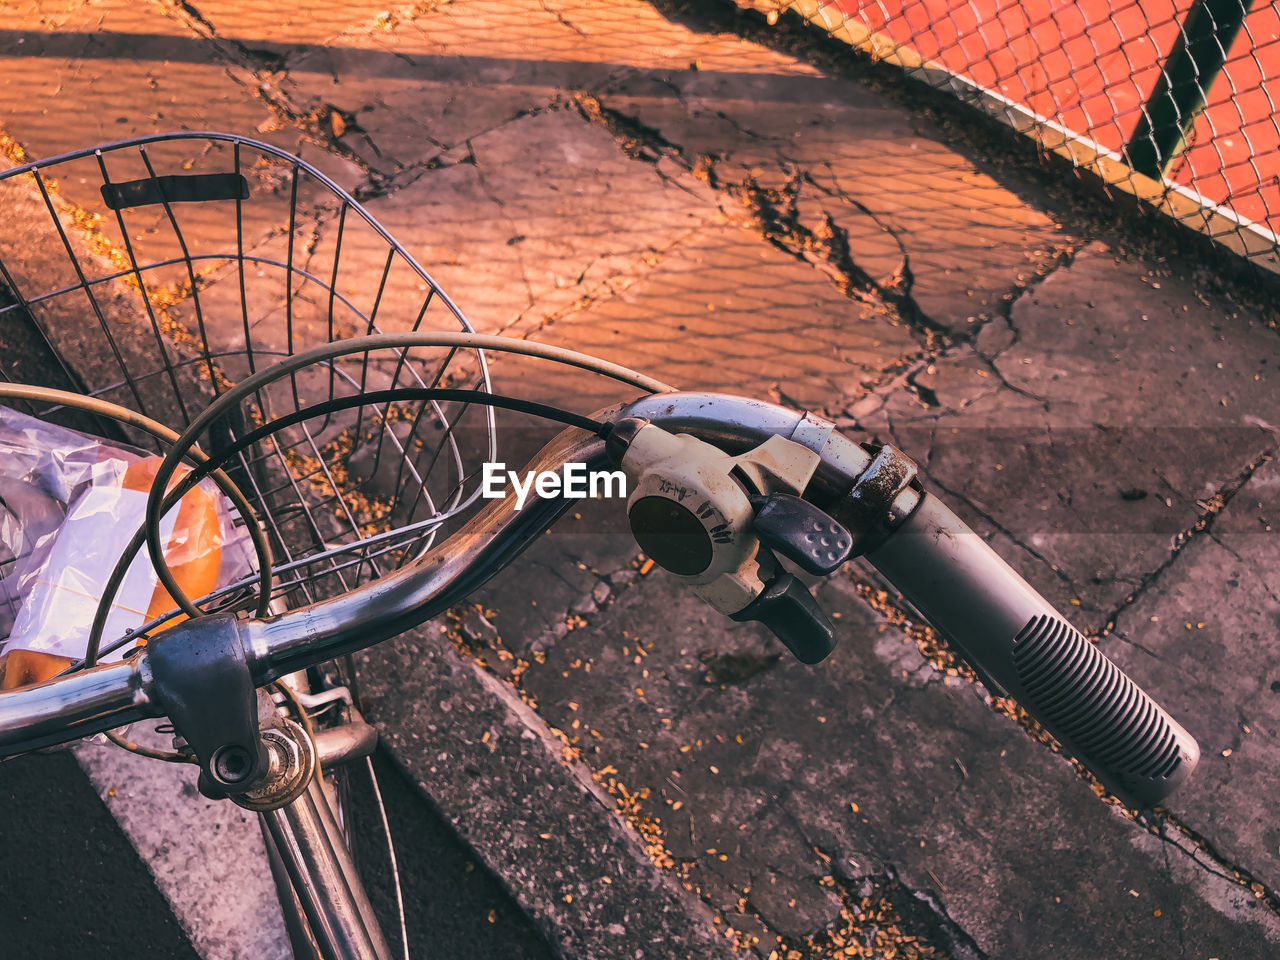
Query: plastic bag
(69, 503)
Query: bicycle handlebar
(1021, 647)
(1013, 638)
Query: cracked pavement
(667, 187)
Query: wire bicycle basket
(156, 273)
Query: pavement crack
(933, 915)
(897, 288)
(891, 427)
(774, 212)
(193, 12)
(876, 911)
(635, 138)
(824, 244)
(989, 361)
(1154, 655)
(926, 395)
(732, 121)
(1181, 919)
(511, 224)
(263, 72)
(1175, 833)
(525, 325)
(1235, 553)
(256, 59)
(874, 402)
(563, 20)
(1059, 257)
(1212, 507)
(448, 155)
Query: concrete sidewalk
(671, 188)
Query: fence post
(1194, 62)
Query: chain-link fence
(1173, 101)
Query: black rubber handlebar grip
(1021, 647)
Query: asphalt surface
(455, 909)
(72, 884)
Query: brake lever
(788, 609)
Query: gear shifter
(716, 521)
(802, 533)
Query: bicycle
(335, 418)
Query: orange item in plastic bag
(193, 550)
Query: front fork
(322, 888)
(326, 909)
